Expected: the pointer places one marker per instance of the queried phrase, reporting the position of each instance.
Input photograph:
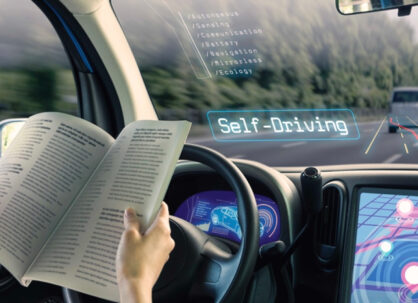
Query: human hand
(141, 256)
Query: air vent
(329, 223)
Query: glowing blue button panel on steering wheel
(215, 212)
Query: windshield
(241, 71)
(285, 82)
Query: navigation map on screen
(386, 253)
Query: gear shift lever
(311, 182)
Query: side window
(35, 73)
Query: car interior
(321, 204)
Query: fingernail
(129, 213)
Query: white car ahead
(403, 110)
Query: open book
(64, 185)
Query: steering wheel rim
(234, 271)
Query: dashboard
(363, 246)
(364, 243)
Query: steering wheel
(202, 268)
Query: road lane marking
(413, 122)
(293, 144)
(401, 133)
(393, 158)
(374, 138)
(403, 127)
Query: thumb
(161, 218)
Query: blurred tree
(41, 87)
(313, 58)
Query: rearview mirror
(348, 7)
(8, 131)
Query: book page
(41, 173)
(135, 173)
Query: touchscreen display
(386, 252)
(215, 212)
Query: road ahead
(375, 145)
